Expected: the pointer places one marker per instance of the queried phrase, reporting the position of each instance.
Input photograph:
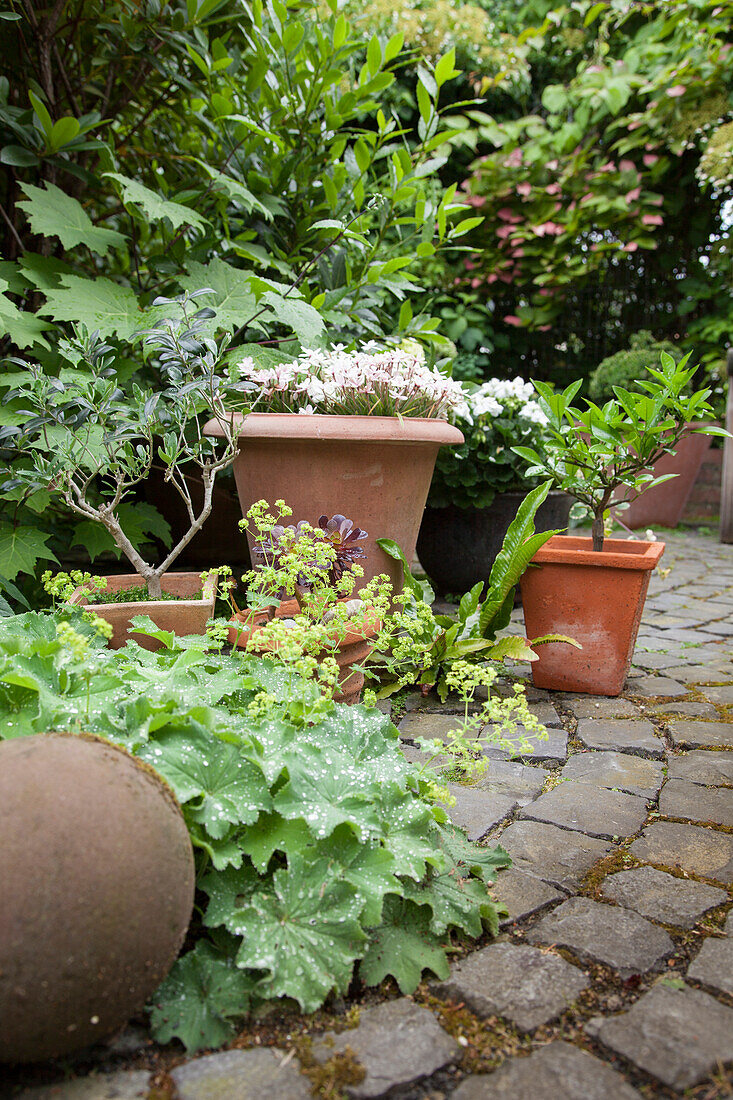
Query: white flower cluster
(366, 382)
(497, 396)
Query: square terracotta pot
(594, 597)
(188, 614)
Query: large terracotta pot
(353, 648)
(374, 469)
(457, 546)
(188, 614)
(594, 597)
(664, 504)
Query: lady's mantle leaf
(468, 857)
(408, 831)
(199, 999)
(455, 901)
(325, 790)
(272, 833)
(303, 931)
(404, 947)
(229, 789)
(370, 868)
(228, 891)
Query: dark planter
(457, 546)
(220, 541)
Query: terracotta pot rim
(208, 594)
(384, 429)
(368, 629)
(616, 553)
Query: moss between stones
(328, 1078)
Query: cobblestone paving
(611, 976)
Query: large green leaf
(52, 213)
(199, 1000)
(325, 789)
(233, 298)
(228, 891)
(21, 548)
(456, 902)
(226, 789)
(292, 312)
(403, 947)
(98, 304)
(153, 205)
(408, 831)
(302, 931)
(519, 547)
(272, 833)
(472, 858)
(368, 867)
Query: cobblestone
(618, 735)
(690, 848)
(713, 966)
(662, 897)
(677, 1035)
(523, 895)
(242, 1075)
(711, 769)
(680, 798)
(585, 808)
(397, 1043)
(604, 933)
(559, 857)
(520, 983)
(617, 771)
(700, 735)
(558, 1071)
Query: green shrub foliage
(626, 368)
(320, 856)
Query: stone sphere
(96, 891)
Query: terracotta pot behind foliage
(595, 597)
(664, 504)
(188, 614)
(353, 649)
(374, 469)
(457, 546)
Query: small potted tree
(593, 589)
(91, 444)
(664, 504)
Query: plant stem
(597, 532)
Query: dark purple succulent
(344, 537)
(338, 531)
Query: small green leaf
(200, 1000)
(403, 947)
